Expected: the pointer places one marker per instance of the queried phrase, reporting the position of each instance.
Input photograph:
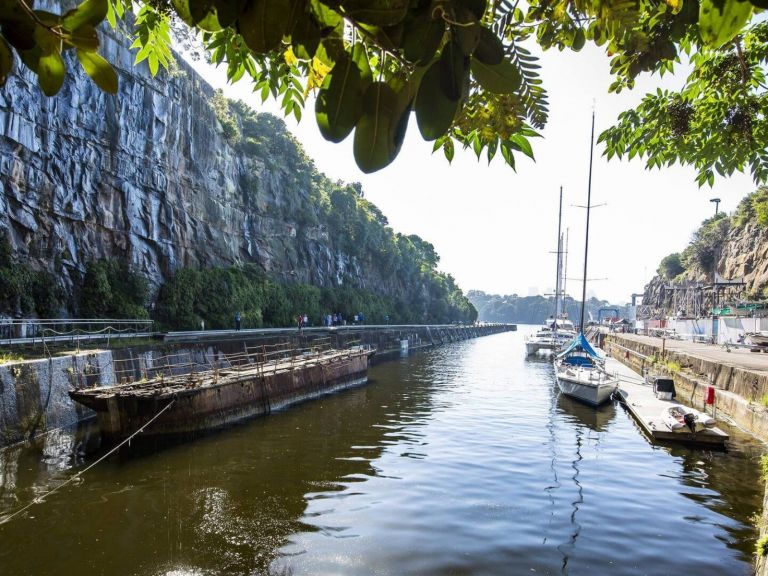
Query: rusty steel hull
(207, 406)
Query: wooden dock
(638, 397)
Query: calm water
(460, 460)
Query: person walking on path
(237, 321)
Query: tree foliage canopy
(459, 65)
(671, 266)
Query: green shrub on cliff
(753, 207)
(214, 295)
(25, 291)
(227, 121)
(671, 266)
(705, 243)
(111, 289)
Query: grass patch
(764, 467)
(672, 366)
(9, 357)
(761, 548)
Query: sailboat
(580, 367)
(557, 329)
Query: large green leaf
(227, 11)
(422, 37)
(264, 23)
(360, 57)
(376, 12)
(10, 10)
(434, 110)
(31, 58)
(330, 50)
(579, 39)
(100, 71)
(501, 78)
(213, 15)
(50, 73)
(468, 37)
(475, 7)
(374, 146)
(84, 38)
(6, 60)
(305, 39)
(21, 34)
(721, 20)
(90, 12)
(204, 15)
(490, 49)
(339, 102)
(406, 95)
(454, 71)
(326, 18)
(184, 11)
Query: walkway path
(737, 357)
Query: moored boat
(680, 418)
(581, 373)
(758, 338)
(557, 329)
(195, 403)
(551, 337)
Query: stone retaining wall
(738, 391)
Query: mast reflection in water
(462, 459)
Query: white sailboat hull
(586, 384)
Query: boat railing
(263, 360)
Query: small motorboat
(679, 418)
(758, 338)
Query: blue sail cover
(580, 343)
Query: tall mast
(565, 266)
(559, 259)
(586, 235)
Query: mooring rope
(39, 499)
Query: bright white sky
(495, 229)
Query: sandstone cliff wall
(148, 175)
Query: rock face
(147, 175)
(742, 257)
(745, 255)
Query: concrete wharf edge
(738, 377)
(638, 398)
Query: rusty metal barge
(243, 387)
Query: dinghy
(679, 418)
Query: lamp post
(717, 204)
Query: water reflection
(463, 459)
(596, 419)
(222, 504)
